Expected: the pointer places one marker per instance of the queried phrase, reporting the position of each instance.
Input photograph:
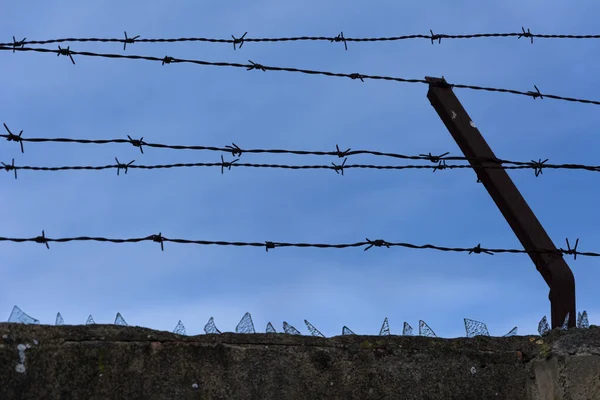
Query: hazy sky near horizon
(100, 98)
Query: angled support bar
(512, 205)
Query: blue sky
(47, 96)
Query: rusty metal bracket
(510, 202)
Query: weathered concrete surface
(112, 362)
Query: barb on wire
(255, 66)
(65, 52)
(252, 65)
(342, 154)
(227, 165)
(10, 167)
(537, 166)
(441, 166)
(337, 168)
(340, 38)
(434, 159)
(11, 137)
(235, 150)
(137, 142)
(478, 250)
(42, 239)
(535, 94)
(432, 37)
(16, 44)
(527, 34)
(357, 76)
(120, 166)
(271, 245)
(571, 251)
(435, 37)
(129, 40)
(239, 40)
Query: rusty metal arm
(512, 205)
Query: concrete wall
(112, 362)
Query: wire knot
(42, 239)
(269, 245)
(376, 243)
(357, 76)
(18, 44)
(235, 150)
(255, 66)
(340, 38)
(123, 166)
(537, 166)
(525, 34)
(239, 41)
(159, 239)
(571, 251)
(137, 143)
(11, 137)
(9, 167)
(478, 250)
(432, 158)
(341, 154)
(167, 60)
(435, 37)
(339, 168)
(441, 166)
(129, 40)
(536, 93)
(65, 52)
(228, 164)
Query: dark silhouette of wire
(537, 166)
(255, 66)
(238, 42)
(368, 244)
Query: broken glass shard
(59, 320)
(565, 324)
(582, 320)
(347, 331)
(385, 328)
(119, 320)
(290, 330)
(513, 332)
(179, 328)
(18, 316)
(245, 325)
(313, 331)
(475, 328)
(407, 330)
(271, 328)
(210, 327)
(543, 326)
(425, 330)
(90, 320)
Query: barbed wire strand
(255, 66)
(368, 244)
(235, 150)
(238, 42)
(537, 166)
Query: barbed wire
(367, 244)
(238, 42)
(255, 66)
(537, 166)
(235, 150)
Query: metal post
(514, 208)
